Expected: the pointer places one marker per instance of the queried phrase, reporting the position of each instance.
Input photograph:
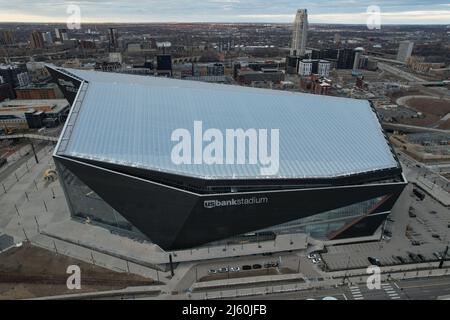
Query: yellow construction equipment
(50, 175)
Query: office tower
(37, 41)
(324, 68)
(7, 37)
(358, 53)
(337, 39)
(48, 39)
(113, 39)
(346, 58)
(61, 35)
(300, 33)
(405, 50)
(305, 67)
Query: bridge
(442, 83)
(29, 136)
(410, 129)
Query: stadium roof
(128, 120)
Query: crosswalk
(356, 293)
(386, 290)
(390, 291)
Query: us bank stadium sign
(209, 204)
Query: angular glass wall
(320, 226)
(85, 204)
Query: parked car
(413, 257)
(312, 256)
(419, 194)
(2, 162)
(212, 271)
(257, 266)
(400, 259)
(421, 257)
(246, 267)
(235, 269)
(374, 261)
(222, 270)
(271, 265)
(415, 243)
(436, 236)
(438, 255)
(315, 261)
(433, 212)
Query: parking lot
(416, 231)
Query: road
(410, 129)
(409, 77)
(417, 289)
(400, 73)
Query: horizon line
(218, 22)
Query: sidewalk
(101, 239)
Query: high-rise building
(324, 68)
(15, 75)
(305, 67)
(48, 39)
(61, 35)
(113, 39)
(37, 40)
(337, 39)
(216, 69)
(405, 50)
(346, 58)
(358, 53)
(7, 37)
(300, 33)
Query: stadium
(337, 179)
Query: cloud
(332, 11)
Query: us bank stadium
(338, 177)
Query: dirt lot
(30, 271)
(433, 106)
(395, 95)
(445, 125)
(433, 111)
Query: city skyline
(227, 11)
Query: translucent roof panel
(129, 120)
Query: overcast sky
(320, 11)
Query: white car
(311, 256)
(212, 271)
(235, 269)
(222, 270)
(315, 260)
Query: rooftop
(55, 104)
(128, 120)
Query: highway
(410, 128)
